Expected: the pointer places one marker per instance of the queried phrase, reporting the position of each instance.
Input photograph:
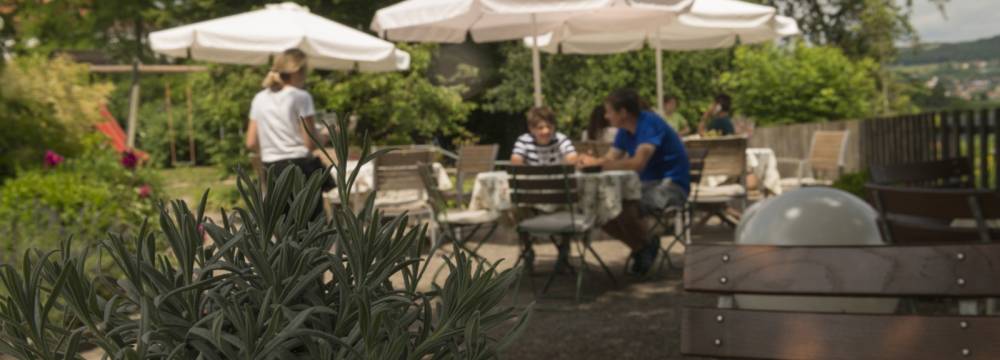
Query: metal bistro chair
(553, 185)
(681, 215)
(453, 222)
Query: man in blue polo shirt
(647, 145)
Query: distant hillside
(982, 49)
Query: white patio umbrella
(253, 37)
(497, 20)
(707, 24)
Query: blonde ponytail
(273, 81)
(289, 62)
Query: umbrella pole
(659, 73)
(536, 63)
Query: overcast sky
(967, 20)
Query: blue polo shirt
(669, 161)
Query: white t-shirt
(277, 115)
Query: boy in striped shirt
(542, 145)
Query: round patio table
(601, 194)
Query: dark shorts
(308, 165)
(659, 195)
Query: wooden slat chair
(553, 185)
(725, 157)
(948, 173)
(472, 160)
(453, 223)
(924, 215)
(826, 157)
(966, 272)
(398, 170)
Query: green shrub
(268, 286)
(853, 183)
(86, 196)
(804, 84)
(46, 104)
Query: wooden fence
(974, 134)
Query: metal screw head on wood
(960, 281)
(960, 256)
(725, 258)
(963, 324)
(720, 318)
(718, 342)
(966, 352)
(723, 280)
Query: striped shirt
(552, 153)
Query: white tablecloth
(365, 182)
(601, 194)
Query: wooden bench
(925, 215)
(948, 173)
(967, 273)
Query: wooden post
(996, 149)
(983, 133)
(170, 125)
(133, 105)
(190, 126)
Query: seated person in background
(718, 118)
(674, 118)
(646, 145)
(542, 145)
(599, 129)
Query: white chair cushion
(730, 190)
(556, 223)
(792, 183)
(468, 217)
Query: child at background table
(542, 145)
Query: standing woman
(280, 115)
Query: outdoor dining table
(601, 194)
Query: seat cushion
(718, 193)
(792, 183)
(468, 217)
(556, 223)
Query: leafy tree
(397, 107)
(574, 84)
(803, 84)
(862, 28)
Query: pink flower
(129, 160)
(52, 159)
(145, 191)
